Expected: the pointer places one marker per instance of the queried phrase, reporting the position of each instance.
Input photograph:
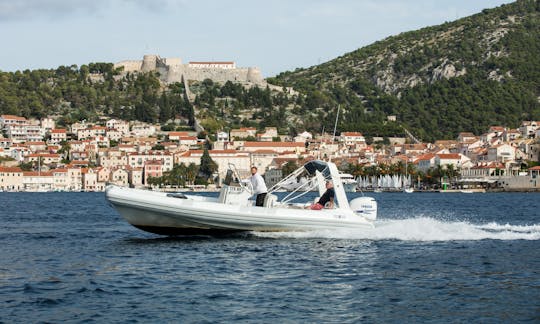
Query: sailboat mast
(335, 128)
(335, 124)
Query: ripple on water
(82, 263)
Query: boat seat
(316, 200)
(270, 200)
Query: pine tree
(208, 166)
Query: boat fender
(365, 207)
(177, 195)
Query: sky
(274, 35)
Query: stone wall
(172, 70)
(129, 66)
(519, 183)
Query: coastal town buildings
(88, 156)
(11, 179)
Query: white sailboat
(407, 180)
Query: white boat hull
(157, 213)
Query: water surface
(432, 258)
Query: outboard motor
(365, 207)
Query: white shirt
(258, 184)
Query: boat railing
(245, 185)
(294, 174)
(303, 189)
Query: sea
(431, 258)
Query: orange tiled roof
(449, 156)
(37, 174)
(265, 152)
(178, 134)
(351, 134)
(35, 143)
(274, 144)
(45, 155)
(12, 117)
(10, 169)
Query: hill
(459, 76)
(438, 81)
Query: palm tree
(192, 171)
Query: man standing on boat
(259, 187)
(327, 199)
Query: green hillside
(459, 76)
(438, 81)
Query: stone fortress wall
(172, 70)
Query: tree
(288, 168)
(26, 166)
(191, 172)
(208, 166)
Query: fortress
(172, 70)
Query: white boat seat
(270, 200)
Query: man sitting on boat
(327, 199)
(259, 187)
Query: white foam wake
(422, 229)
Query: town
(36, 156)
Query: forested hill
(464, 75)
(459, 76)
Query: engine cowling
(365, 207)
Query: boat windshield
(317, 165)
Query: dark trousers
(260, 199)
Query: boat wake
(422, 229)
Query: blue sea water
(69, 257)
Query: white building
(7, 120)
(58, 136)
(502, 153)
(241, 160)
(457, 160)
(119, 125)
(528, 128)
(119, 177)
(47, 124)
(143, 130)
(425, 162)
(11, 178)
(38, 181)
(138, 160)
(222, 137)
(303, 137)
(91, 132)
(269, 134)
(19, 133)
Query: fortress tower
(172, 70)
(149, 63)
(254, 75)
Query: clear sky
(274, 35)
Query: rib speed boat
(233, 211)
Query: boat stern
(365, 207)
